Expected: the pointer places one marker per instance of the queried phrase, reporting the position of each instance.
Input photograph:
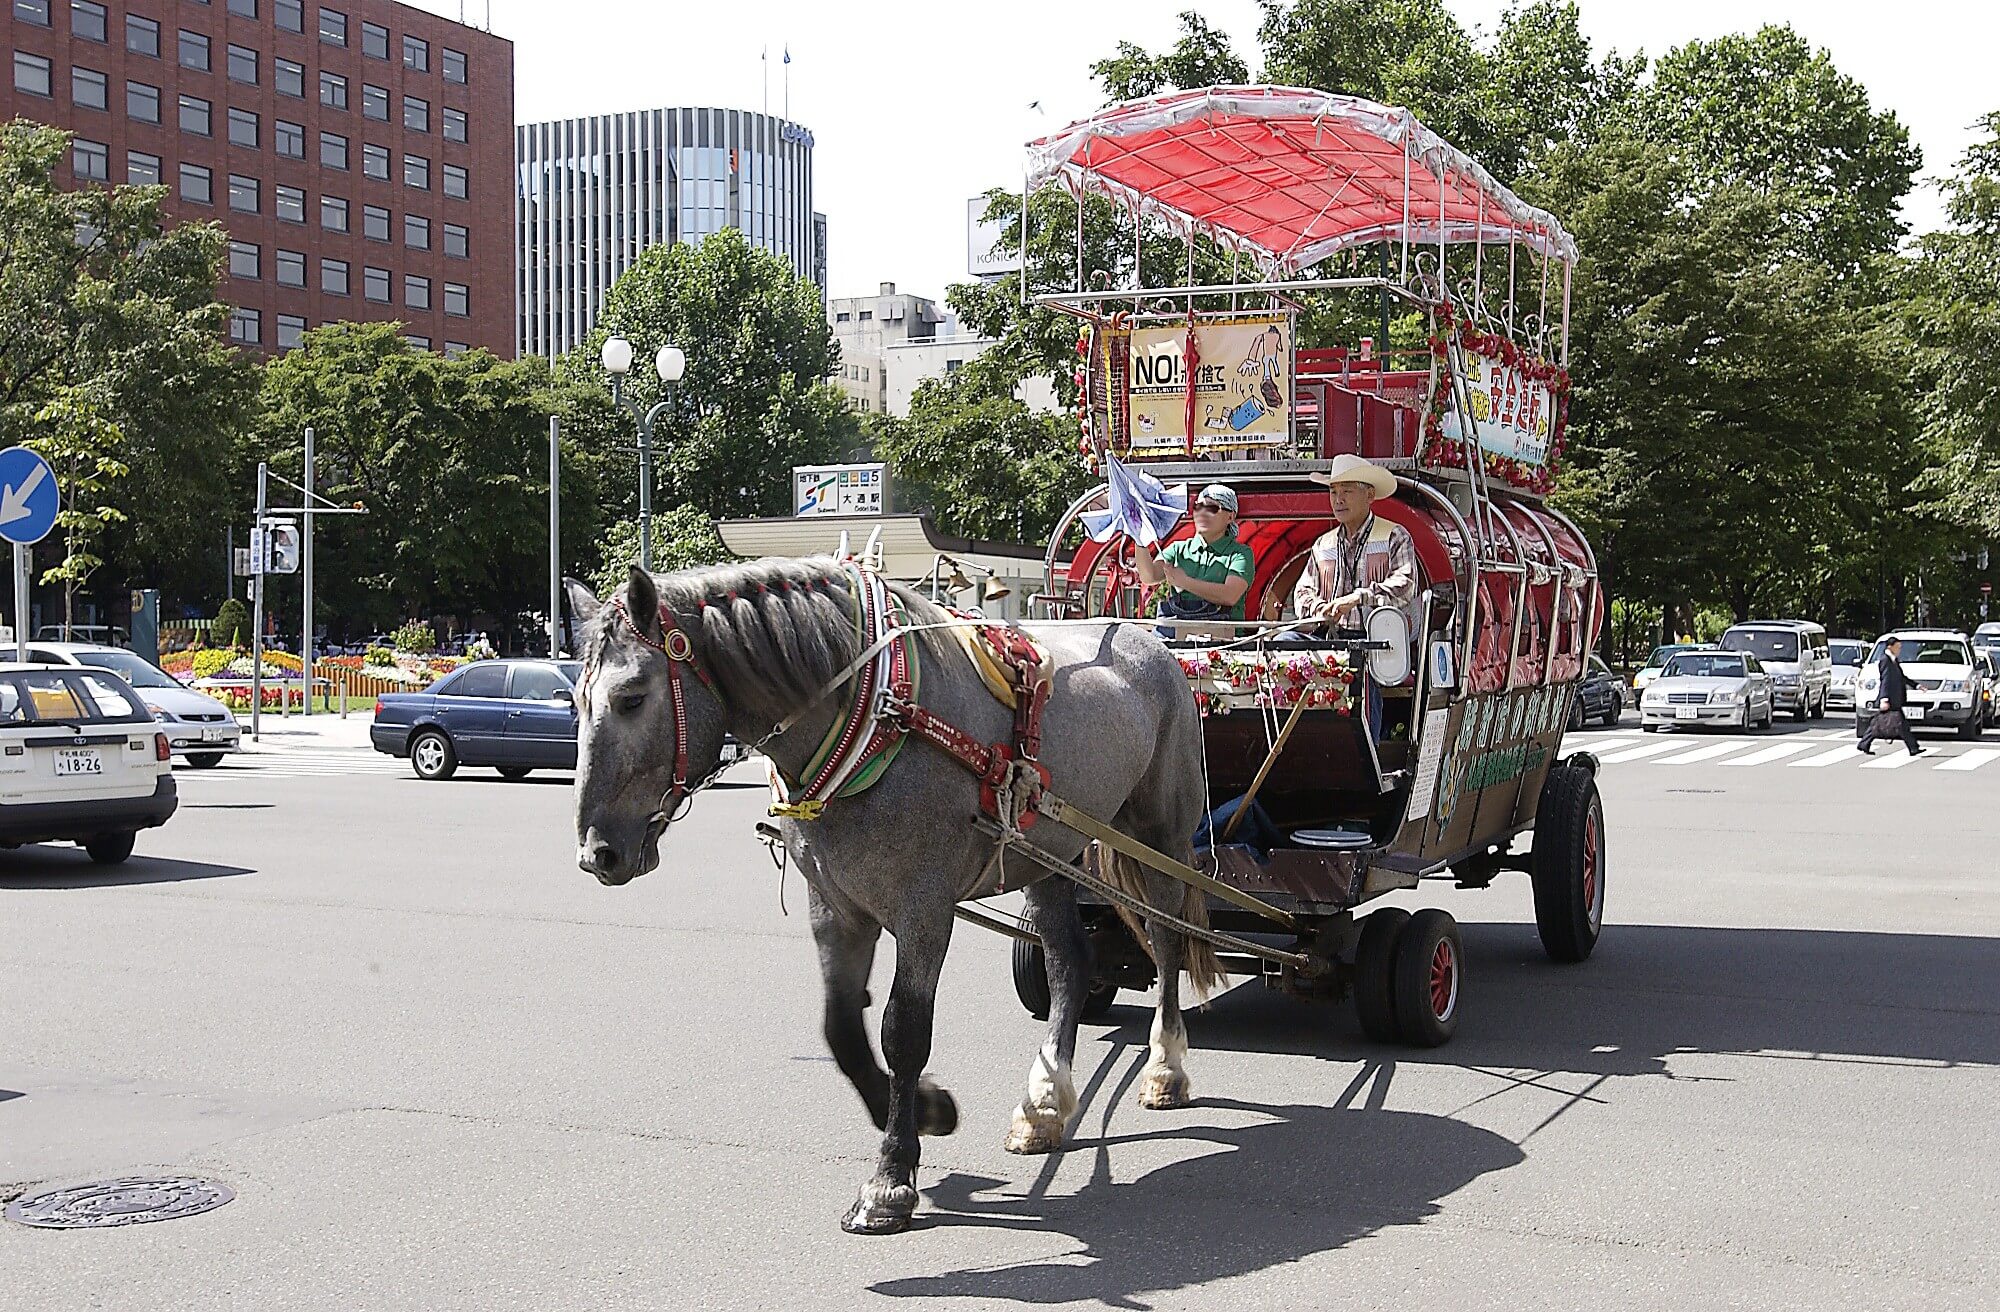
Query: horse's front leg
(1164, 1083)
(846, 954)
(1042, 1120)
(916, 1106)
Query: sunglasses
(1211, 507)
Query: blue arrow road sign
(28, 500)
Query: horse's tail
(1197, 956)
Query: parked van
(1794, 653)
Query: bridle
(678, 648)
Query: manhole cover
(130, 1201)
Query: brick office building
(360, 154)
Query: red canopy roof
(1289, 176)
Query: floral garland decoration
(1441, 451)
(1222, 679)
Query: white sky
(916, 105)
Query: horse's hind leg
(916, 1106)
(1164, 1083)
(1042, 1119)
(846, 954)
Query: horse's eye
(630, 703)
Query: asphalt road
(443, 1069)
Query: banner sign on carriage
(1511, 413)
(1242, 386)
(825, 490)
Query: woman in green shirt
(1207, 574)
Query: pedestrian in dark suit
(1892, 696)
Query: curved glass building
(592, 193)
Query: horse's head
(649, 728)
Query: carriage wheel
(1031, 985)
(1568, 863)
(1374, 974)
(1429, 974)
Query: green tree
(232, 624)
(82, 447)
(755, 400)
(1203, 57)
(683, 538)
(110, 333)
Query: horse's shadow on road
(1308, 1180)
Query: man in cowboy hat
(1208, 574)
(1366, 561)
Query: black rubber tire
(1972, 728)
(204, 760)
(1649, 728)
(1427, 1006)
(1612, 716)
(513, 771)
(109, 849)
(1568, 863)
(1031, 985)
(1803, 713)
(1374, 974)
(447, 760)
(1576, 714)
(1818, 708)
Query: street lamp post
(670, 363)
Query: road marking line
(1828, 758)
(1643, 750)
(1895, 761)
(1704, 753)
(1970, 760)
(1777, 752)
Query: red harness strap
(678, 648)
(993, 763)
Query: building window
(454, 125)
(416, 114)
(288, 139)
(457, 300)
(333, 27)
(194, 51)
(333, 213)
(374, 41)
(454, 65)
(87, 20)
(142, 36)
(867, 315)
(333, 273)
(242, 65)
(332, 90)
(455, 349)
(141, 169)
(839, 317)
(244, 259)
(289, 15)
(291, 328)
(416, 53)
(197, 184)
(289, 78)
(455, 182)
(243, 8)
(375, 162)
(246, 326)
(33, 74)
(375, 103)
(243, 193)
(374, 223)
(333, 150)
(418, 340)
(242, 128)
(195, 115)
(416, 292)
(32, 11)
(90, 160)
(290, 206)
(457, 242)
(88, 88)
(416, 232)
(417, 172)
(291, 269)
(375, 284)
(142, 103)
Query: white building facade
(592, 194)
(908, 363)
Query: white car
(1658, 661)
(1709, 687)
(199, 728)
(1945, 686)
(1848, 654)
(81, 761)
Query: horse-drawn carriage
(1223, 803)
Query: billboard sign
(1242, 386)
(1511, 413)
(991, 249)
(828, 490)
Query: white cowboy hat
(1353, 469)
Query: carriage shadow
(1308, 1181)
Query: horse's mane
(772, 632)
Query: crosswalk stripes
(1893, 761)
(1775, 752)
(1642, 750)
(1811, 750)
(1707, 753)
(1845, 752)
(1970, 760)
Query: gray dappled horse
(1120, 737)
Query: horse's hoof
(937, 1111)
(1163, 1089)
(882, 1209)
(1035, 1130)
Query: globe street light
(670, 363)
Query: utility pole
(258, 564)
(555, 537)
(306, 569)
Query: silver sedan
(1709, 687)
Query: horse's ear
(583, 602)
(642, 597)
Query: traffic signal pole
(259, 550)
(306, 568)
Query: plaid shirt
(1379, 562)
